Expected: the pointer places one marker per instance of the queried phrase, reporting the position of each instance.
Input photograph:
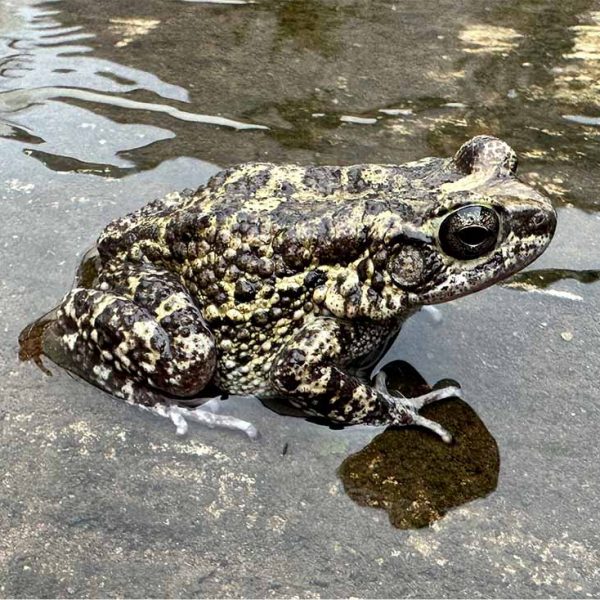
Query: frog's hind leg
(204, 414)
(113, 343)
(139, 336)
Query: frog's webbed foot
(204, 414)
(31, 341)
(409, 407)
(418, 402)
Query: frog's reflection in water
(410, 472)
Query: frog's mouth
(460, 278)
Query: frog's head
(483, 226)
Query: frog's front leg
(309, 372)
(139, 336)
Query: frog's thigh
(307, 373)
(113, 342)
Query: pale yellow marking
(131, 29)
(488, 39)
(172, 304)
(99, 307)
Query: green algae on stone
(417, 478)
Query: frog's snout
(543, 221)
(532, 219)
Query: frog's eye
(469, 232)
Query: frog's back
(259, 201)
(262, 186)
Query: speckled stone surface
(98, 498)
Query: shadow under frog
(409, 472)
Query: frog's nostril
(538, 219)
(544, 219)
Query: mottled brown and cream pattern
(290, 281)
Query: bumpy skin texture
(291, 281)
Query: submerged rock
(415, 476)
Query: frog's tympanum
(289, 281)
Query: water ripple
(52, 85)
(17, 100)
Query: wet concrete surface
(98, 498)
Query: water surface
(106, 105)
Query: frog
(290, 282)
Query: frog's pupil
(474, 235)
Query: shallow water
(106, 105)
(131, 90)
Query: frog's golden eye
(469, 232)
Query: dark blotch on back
(245, 290)
(323, 180)
(247, 185)
(315, 278)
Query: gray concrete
(98, 498)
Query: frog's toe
(406, 410)
(381, 382)
(181, 425)
(404, 414)
(206, 416)
(432, 426)
(200, 415)
(452, 391)
(417, 402)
